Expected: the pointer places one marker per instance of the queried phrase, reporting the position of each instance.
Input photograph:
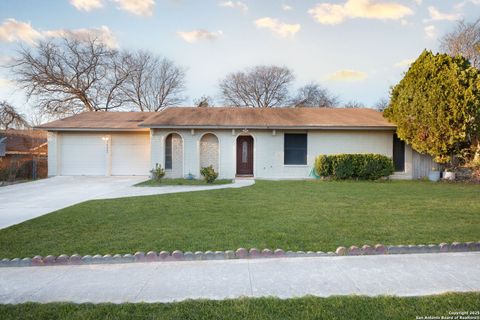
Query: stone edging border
(240, 253)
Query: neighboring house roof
(223, 117)
(99, 121)
(25, 142)
(268, 118)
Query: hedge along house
(277, 143)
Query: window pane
(168, 152)
(244, 151)
(295, 157)
(295, 149)
(398, 154)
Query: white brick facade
(268, 150)
(193, 149)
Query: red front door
(244, 155)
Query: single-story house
(276, 143)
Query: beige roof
(99, 121)
(251, 118)
(182, 117)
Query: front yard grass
(179, 182)
(292, 215)
(347, 307)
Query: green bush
(323, 165)
(209, 174)
(354, 166)
(158, 172)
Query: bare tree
(354, 104)
(464, 40)
(203, 101)
(68, 75)
(381, 104)
(9, 117)
(154, 83)
(258, 87)
(313, 95)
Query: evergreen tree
(436, 106)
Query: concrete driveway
(29, 200)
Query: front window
(295, 149)
(168, 152)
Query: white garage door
(131, 153)
(83, 154)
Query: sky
(357, 49)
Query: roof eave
(89, 129)
(333, 127)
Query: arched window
(168, 152)
(174, 156)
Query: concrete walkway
(402, 275)
(24, 201)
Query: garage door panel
(83, 155)
(86, 153)
(131, 154)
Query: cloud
(12, 30)
(234, 5)
(104, 34)
(286, 7)
(283, 30)
(418, 2)
(404, 63)
(5, 83)
(348, 75)
(462, 4)
(5, 60)
(137, 7)
(199, 34)
(86, 5)
(431, 31)
(329, 13)
(436, 15)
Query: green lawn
(349, 307)
(293, 215)
(179, 182)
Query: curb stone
(240, 253)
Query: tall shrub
(354, 166)
(436, 106)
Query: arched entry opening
(209, 151)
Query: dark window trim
(286, 149)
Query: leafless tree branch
(464, 40)
(313, 95)
(154, 83)
(10, 118)
(258, 87)
(68, 76)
